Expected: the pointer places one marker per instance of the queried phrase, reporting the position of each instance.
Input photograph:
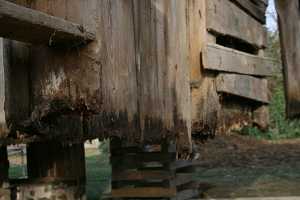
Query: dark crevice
(237, 44)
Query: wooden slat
(243, 86)
(216, 57)
(224, 17)
(252, 9)
(28, 25)
(141, 175)
(289, 24)
(146, 192)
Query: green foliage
(280, 127)
(104, 147)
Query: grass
(280, 127)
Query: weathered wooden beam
(143, 192)
(216, 57)
(244, 86)
(32, 26)
(226, 18)
(289, 25)
(252, 9)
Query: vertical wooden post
(4, 166)
(55, 171)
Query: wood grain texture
(131, 82)
(290, 45)
(204, 113)
(216, 57)
(253, 9)
(224, 17)
(243, 86)
(28, 25)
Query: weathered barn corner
(151, 75)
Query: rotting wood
(243, 86)
(204, 113)
(289, 25)
(112, 87)
(224, 17)
(216, 57)
(28, 25)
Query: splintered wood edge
(29, 25)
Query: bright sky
(271, 12)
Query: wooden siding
(28, 25)
(131, 82)
(224, 17)
(216, 57)
(256, 9)
(243, 86)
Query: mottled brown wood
(28, 25)
(243, 86)
(254, 9)
(224, 17)
(289, 25)
(216, 57)
(131, 82)
(204, 113)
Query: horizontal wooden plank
(146, 192)
(142, 175)
(187, 194)
(216, 57)
(252, 9)
(32, 26)
(243, 86)
(226, 18)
